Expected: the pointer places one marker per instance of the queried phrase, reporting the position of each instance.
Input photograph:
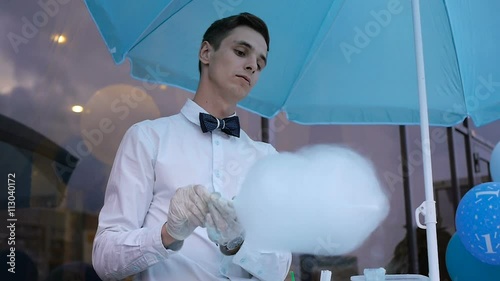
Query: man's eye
(239, 53)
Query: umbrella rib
(314, 46)
(144, 36)
(456, 54)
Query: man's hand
(188, 210)
(222, 223)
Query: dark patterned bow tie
(230, 125)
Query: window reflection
(44, 233)
(62, 154)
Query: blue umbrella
(333, 61)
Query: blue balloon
(462, 266)
(478, 222)
(495, 163)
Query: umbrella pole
(428, 208)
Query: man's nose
(251, 65)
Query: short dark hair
(220, 29)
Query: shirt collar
(191, 111)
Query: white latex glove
(188, 210)
(222, 223)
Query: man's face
(236, 66)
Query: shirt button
(217, 142)
(217, 173)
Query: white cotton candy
(323, 200)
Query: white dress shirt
(153, 160)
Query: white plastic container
(396, 277)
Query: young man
(174, 176)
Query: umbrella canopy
(334, 61)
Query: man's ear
(205, 52)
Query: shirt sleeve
(122, 247)
(263, 266)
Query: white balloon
(323, 200)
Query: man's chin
(242, 96)
(239, 93)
